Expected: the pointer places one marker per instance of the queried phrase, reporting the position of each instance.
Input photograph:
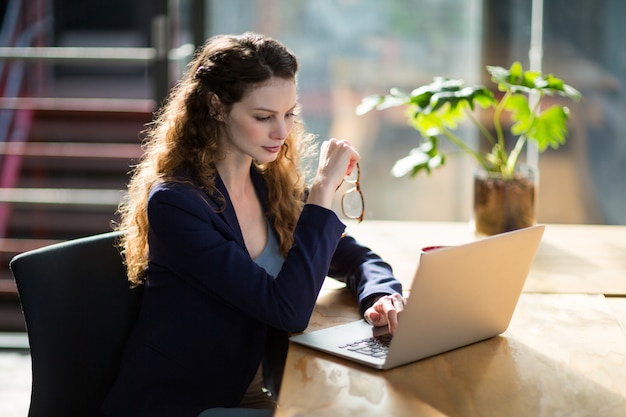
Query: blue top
(270, 258)
(210, 315)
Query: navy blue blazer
(210, 315)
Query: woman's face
(257, 126)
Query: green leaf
(425, 157)
(431, 122)
(426, 124)
(516, 80)
(550, 128)
(436, 109)
(521, 114)
(452, 115)
(395, 98)
(442, 104)
(483, 96)
(369, 103)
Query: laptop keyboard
(371, 346)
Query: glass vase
(504, 204)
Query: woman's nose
(279, 130)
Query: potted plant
(504, 189)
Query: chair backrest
(79, 310)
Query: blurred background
(80, 79)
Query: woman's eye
(289, 115)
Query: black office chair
(79, 310)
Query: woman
(230, 243)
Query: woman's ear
(217, 108)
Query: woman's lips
(272, 149)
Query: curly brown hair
(185, 137)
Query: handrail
(72, 150)
(9, 23)
(126, 105)
(15, 123)
(93, 55)
(113, 55)
(15, 73)
(17, 49)
(61, 196)
(8, 245)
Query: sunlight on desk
(563, 354)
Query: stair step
(72, 150)
(55, 158)
(65, 196)
(15, 246)
(50, 168)
(125, 106)
(60, 223)
(84, 119)
(73, 172)
(113, 180)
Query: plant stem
(521, 140)
(502, 156)
(514, 156)
(487, 134)
(459, 142)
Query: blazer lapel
(228, 213)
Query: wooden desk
(563, 354)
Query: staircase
(64, 178)
(64, 161)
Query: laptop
(460, 295)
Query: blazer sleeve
(190, 241)
(363, 271)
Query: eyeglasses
(352, 204)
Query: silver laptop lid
(463, 294)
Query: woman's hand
(386, 311)
(337, 159)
